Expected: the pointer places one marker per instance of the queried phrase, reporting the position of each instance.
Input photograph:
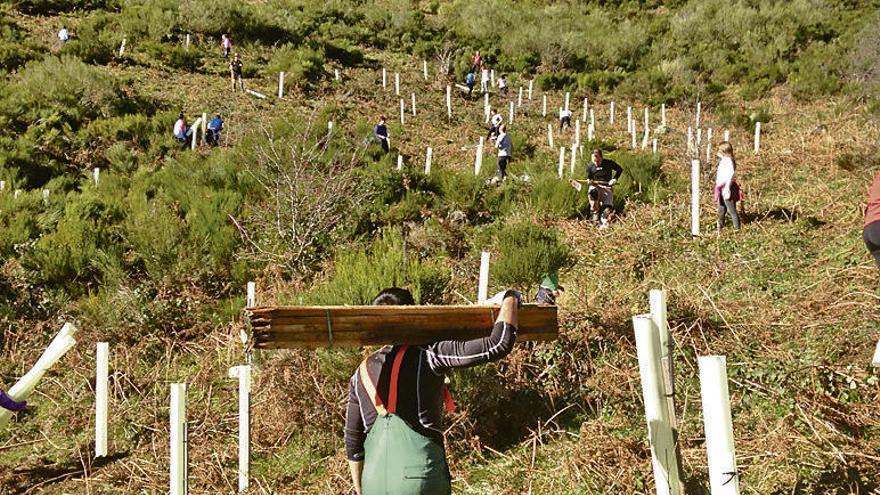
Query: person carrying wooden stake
(393, 423)
(235, 71)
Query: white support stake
(699, 107)
(544, 106)
(251, 300)
(573, 158)
(591, 130)
(428, 156)
(690, 142)
(695, 198)
(660, 435)
(492, 77)
(399, 162)
(567, 96)
(634, 134)
(401, 112)
(96, 175)
(425, 69)
(336, 74)
(187, 41)
(727, 135)
(875, 362)
(592, 119)
(329, 127)
(519, 99)
(178, 439)
(2, 185)
(611, 114)
(384, 78)
(663, 115)
(586, 107)
(629, 119)
(397, 83)
(204, 128)
(699, 137)
(281, 84)
(243, 373)
(657, 301)
(478, 160)
(122, 47)
(510, 119)
(531, 82)
(723, 476)
(449, 101)
(654, 146)
(255, 93)
(561, 160)
(102, 367)
(550, 134)
(195, 132)
(483, 289)
(413, 104)
(709, 145)
(757, 137)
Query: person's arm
(449, 354)
(616, 171)
(355, 434)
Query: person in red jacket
(871, 232)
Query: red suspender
(370, 387)
(395, 374)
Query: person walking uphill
(871, 231)
(226, 45)
(393, 422)
(470, 80)
(380, 132)
(505, 151)
(235, 71)
(727, 191)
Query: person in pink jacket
(727, 191)
(871, 231)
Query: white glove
(612, 182)
(501, 296)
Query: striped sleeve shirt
(420, 385)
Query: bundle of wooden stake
(289, 327)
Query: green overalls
(398, 460)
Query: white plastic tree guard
(531, 82)
(15, 195)
(122, 47)
(757, 137)
(699, 107)
(255, 93)
(629, 119)
(690, 142)
(695, 198)
(663, 115)
(397, 83)
(567, 97)
(486, 105)
(336, 74)
(709, 145)
(727, 135)
(187, 41)
(178, 430)
(586, 108)
(492, 77)
(102, 377)
(2, 185)
(654, 146)
(449, 101)
(519, 99)
(384, 78)
(483, 289)
(573, 158)
(96, 175)
(510, 117)
(425, 69)
(428, 155)
(611, 114)
(399, 162)
(699, 136)
(478, 160)
(25, 385)
(875, 362)
(251, 300)
(413, 104)
(550, 134)
(402, 112)
(577, 132)
(45, 195)
(591, 130)
(592, 119)
(660, 435)
(329, 127)
(723, 477)
(281, 84)
(561, 160)
(204, 128)
(243, 374)
(544, 106)
(196, 127)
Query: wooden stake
(102, 358)
(723, 476)
(178, 439)
(660, 435)
(695, 198)
(243, 374)
(483, 289)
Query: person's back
(180, 128)
(215, 124)
(394, 418)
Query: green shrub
(524, 252)
(550, 195)
(302, 66)
(174, 55)
(359, 274)
(639, 169)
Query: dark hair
(394, 296)
(180, 115)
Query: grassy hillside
(155, 258)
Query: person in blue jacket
(215, 125)
(470, 80)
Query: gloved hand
(8, 403)
(501, 296)
(612, 182)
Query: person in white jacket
(727, 192)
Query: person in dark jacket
(235, 69)
(394, 419)
(871, 231)
(505, 151)
(602, 174)
(380, 132)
